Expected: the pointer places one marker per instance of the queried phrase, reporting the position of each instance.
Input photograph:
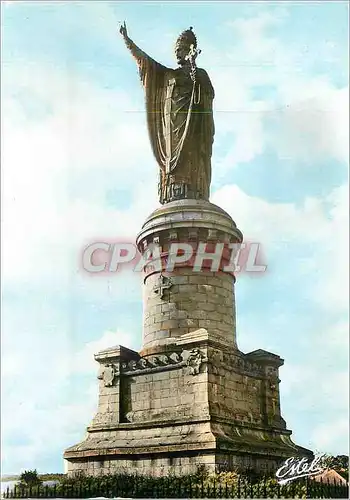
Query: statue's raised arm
(139, 55)
(180, 119)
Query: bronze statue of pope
(179, 106)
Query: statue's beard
(181, 60)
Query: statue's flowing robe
(181, 127)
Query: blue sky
(73, 108)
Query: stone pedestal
(190, 397)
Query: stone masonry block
(188, 322)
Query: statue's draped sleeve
(153, 78)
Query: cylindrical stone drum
(181, 295)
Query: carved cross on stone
(164, 283)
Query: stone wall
(155, 388)
(157, 466)
(195, 300)
(243, 390)
(152, 466)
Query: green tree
(29, 478)
(339, 463)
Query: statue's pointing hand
(123, 30)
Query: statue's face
(181, 51)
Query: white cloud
(306, 118)
(315, 123)
(56, 402)
(316, 230)
(318, 222)
(325, 435)
(331, 287)
(272, 222)
(255, 43)
(55, 426)
(84, 138)
(84, 360)
(71, 133)
(330, 341)
(316, 386)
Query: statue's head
(183, 45)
